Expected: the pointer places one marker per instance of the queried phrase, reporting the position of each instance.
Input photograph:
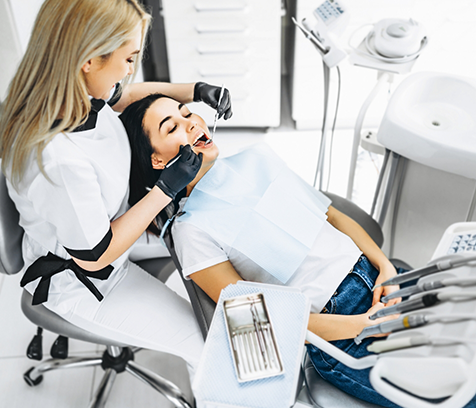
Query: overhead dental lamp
(391, 46)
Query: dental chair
(319, 392)
(117, 357)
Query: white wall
(10, 47)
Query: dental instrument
(427, 286)
(442, 265)
(173, 161)
(222, 91)
(414, 341)
(408, 305)
(410, 322)
(179, 156)
(428, 300)
(402, 323)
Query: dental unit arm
(323, 30)
(329, 21)
(427, 286)
(443, 264)
(428, 359)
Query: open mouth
(201, 140)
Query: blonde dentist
(66, 157)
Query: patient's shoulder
(186, 233)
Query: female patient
(336, 270)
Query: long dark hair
(142, 175)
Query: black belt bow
(49, 265)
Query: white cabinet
(307, 76)
(232, 42)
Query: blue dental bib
(254, 203)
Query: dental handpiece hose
(402, 323)
(428, 300)
(427, 286)
(427, 270)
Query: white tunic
(70, 214)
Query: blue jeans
(353, 296)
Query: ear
(157, 163)
(86, 68)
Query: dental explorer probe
(222, 90)
(427, 270)
(410, 322)
(179, 156)
(428, 300)
(427, 286)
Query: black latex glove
(210, 94)
(181, 172)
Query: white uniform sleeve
(72, 202)
(196, 250)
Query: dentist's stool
(116, 359)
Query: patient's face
(170, 124)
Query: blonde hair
(50, 83)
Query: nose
(131, 69)
(191, 125)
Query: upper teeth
(198, 137)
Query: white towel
(216, 384)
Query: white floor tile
(59, 389)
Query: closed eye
(173, 129)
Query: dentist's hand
(210, 94)
(182, 170)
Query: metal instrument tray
(251, 338)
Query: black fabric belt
(51, 264)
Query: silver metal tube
(71, 362)
(104, 389)
(167, 388)
(379, 183)
(114, 351)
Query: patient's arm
(328, 326)
(369, 248)
(332, 327)
(215, 278)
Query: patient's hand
(367, 322)
(387, 271)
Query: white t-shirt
(331, 258)
(70, 214)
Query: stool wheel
(29, 380)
